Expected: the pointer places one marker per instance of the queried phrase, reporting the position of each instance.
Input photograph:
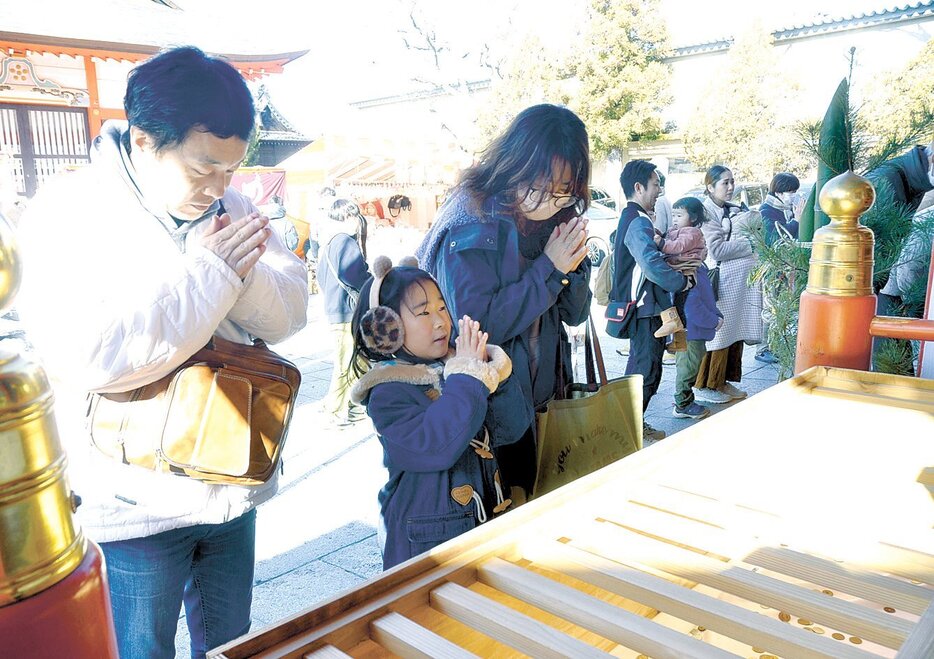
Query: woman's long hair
(538, 140)
(344, 210)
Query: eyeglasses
(539, 197)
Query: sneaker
(766, 357)
(651, 434)
(711, 396)
(692, 411)
(735, 393)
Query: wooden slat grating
(886, 591)
(806, 565)
(706, 508)
(677, 552)
(728, 619)
(633, 631)
(630, 549)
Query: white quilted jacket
(111, 302)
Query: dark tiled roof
(142, 26)
(905, 14)
(272, 122)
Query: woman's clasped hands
(567, 245)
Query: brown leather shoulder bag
(220, 417)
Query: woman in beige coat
(740, 305)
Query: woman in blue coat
(508, 250)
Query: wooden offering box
(795, 524)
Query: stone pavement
(317, 537)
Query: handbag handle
(593, 354)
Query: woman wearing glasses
(508, 250)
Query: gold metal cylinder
(842, 251)
(39, 545)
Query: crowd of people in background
(450, 355)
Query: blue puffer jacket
(476, 259)
(701, 308)
(443, 477)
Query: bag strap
(593, 354)
(588, 357)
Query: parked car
(751, 194)
(601, 222)
(601, 196)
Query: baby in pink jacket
(684, 248)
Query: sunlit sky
(357, 53)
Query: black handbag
(714, 276)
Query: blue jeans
(208, 566)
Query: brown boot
(671, 323)
(679, 342)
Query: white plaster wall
(817, 65)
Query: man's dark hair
(183, 88)
(635, 171)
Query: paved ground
(318, 535)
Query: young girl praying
(428, 404)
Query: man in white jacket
(161, 255)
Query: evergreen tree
(744, 119)
(621, 83)
(893, 98)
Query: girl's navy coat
(475, 257)
(427, 450)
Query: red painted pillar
(70, 619)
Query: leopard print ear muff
(381, 327)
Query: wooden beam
(508, 626)
(94, 101)
(405, 638)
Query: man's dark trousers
(645, 355)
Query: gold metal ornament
(842, 251)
